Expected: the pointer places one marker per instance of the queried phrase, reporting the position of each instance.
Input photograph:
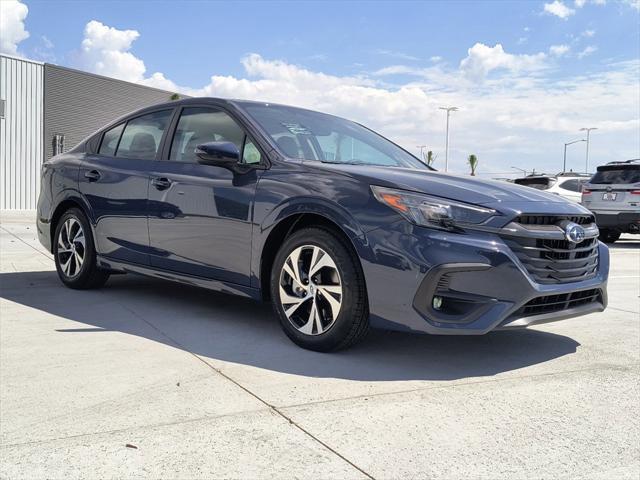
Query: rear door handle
(161, 183)
(92, 175)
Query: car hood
(495, 194)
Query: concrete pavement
(201, 384)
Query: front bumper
(483, 283)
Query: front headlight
(434, 212)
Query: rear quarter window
(110, 140)
(573, 185)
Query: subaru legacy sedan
(338, 227)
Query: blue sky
(526, 75)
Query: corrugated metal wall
(78, 103)
(21, 131)
(42, 100)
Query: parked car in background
(613, 195)
(338, 227)
(568, 185)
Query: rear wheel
(318, 291)
(608, 236)
(75, 254)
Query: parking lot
(150, 379)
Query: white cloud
(105, 50)
(559, 50)
(12, 16)
(510, 115)
(482, 59)
(43, 51)
(632, 3)
(391, 53)
(587, 51)
(558, 9)
(588, 33)
(580, 3)
(46, 42)
(436, 58)
(396, 70)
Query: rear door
(200, 220)
(115, 183)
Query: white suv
(613, 195)
(567, 185)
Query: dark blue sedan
(339, 227)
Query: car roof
(625, 162)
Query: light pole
(564, 162)
(588, 130)
(446, 149)
(421, 147)
(521, 169)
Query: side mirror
(221, 154)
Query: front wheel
(318, 291)
(608, 236)
(74, 252)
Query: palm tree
(473, 163)
(430, 158)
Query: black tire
(608, 236)
(88, 275)
(352, 322)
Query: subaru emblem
(574, 232)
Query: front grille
(554, 219)
(555, 303)
(550, 260)
(556, 261)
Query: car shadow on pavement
(232, 329)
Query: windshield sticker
(297, 129)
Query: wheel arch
(61, 208)
(292, 223)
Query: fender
(317, 205)
(305, 205)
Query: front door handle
(92, 175)
(161, 183)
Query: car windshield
(324, 138)
(616, 175)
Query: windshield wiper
(351, 162)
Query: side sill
(116, 266)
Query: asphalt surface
(145, 379)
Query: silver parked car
(613, 195)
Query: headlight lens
(431, 211)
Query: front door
(115, 182)
(200, 216)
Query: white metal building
(21, 131)
(46, 109)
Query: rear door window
(620, 175)
(142, 135)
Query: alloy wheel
(310, 290)
(71, 247)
